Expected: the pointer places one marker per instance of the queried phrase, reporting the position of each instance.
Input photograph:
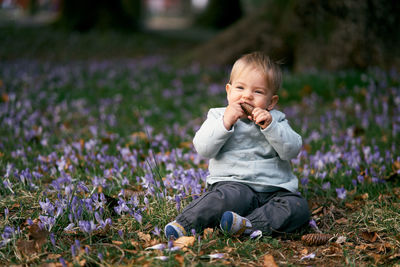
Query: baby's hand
(232, 113)
(262, 117)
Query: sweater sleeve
(212, 134)
(286, 142)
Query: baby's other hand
(262, 117)
(232, 113)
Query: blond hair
(262, 63)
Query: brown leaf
(341, 239)
(396, 166)
(333, 251)
(50, 264)
(39, 236)
(207, 233)
(364, 196)
(184, 241)
(395, 256)
(269, 261)
(4, 96)
(369, 236)
(352, 206)
(145, 237)
(342, 220)
(396, 191)
(180, 259)
(317, 210)
(377, 257)
(385, 248)
(53, 256)
(27, 247)
(304, 251)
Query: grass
(108, 115)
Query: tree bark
(309, 34)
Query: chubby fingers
(262, 117)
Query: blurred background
(306, 34)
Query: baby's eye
(259, 92)
(240, 87)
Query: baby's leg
(206, 211)
(281, 212)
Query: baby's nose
(247, 94)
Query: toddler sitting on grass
(250, 144)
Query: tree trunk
(310, 34)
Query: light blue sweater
(248, 154)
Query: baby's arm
(212, 135)
(286, 142)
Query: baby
(250, 144)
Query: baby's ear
(274, 101)
(228, 87)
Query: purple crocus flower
(8, 232)
(326, 186)
(63, 263)
(52, 239)
(138, 217)
(178, 203)
(69, 227)
(121, 234)
(313, 224)
(156, 231)
(87, 226)
(73, 250)
(256, 234)
(341, 193)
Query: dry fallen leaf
(269, 261)
(39, 236)
(207, 233)
(304, 251)
(342, 220)
(377, 257)
(180, 259)
(27, 247)
(53, 256)
(317, 210)
(341, 239)
(385, 248)
(145, 237)
(51, 264)
(117, 242)
(333, 251)
(364, 196)
(369, 236)
(184, 241)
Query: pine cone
(247, 108)
(315, 239)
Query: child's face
(250, 86)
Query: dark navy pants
(277, 212)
